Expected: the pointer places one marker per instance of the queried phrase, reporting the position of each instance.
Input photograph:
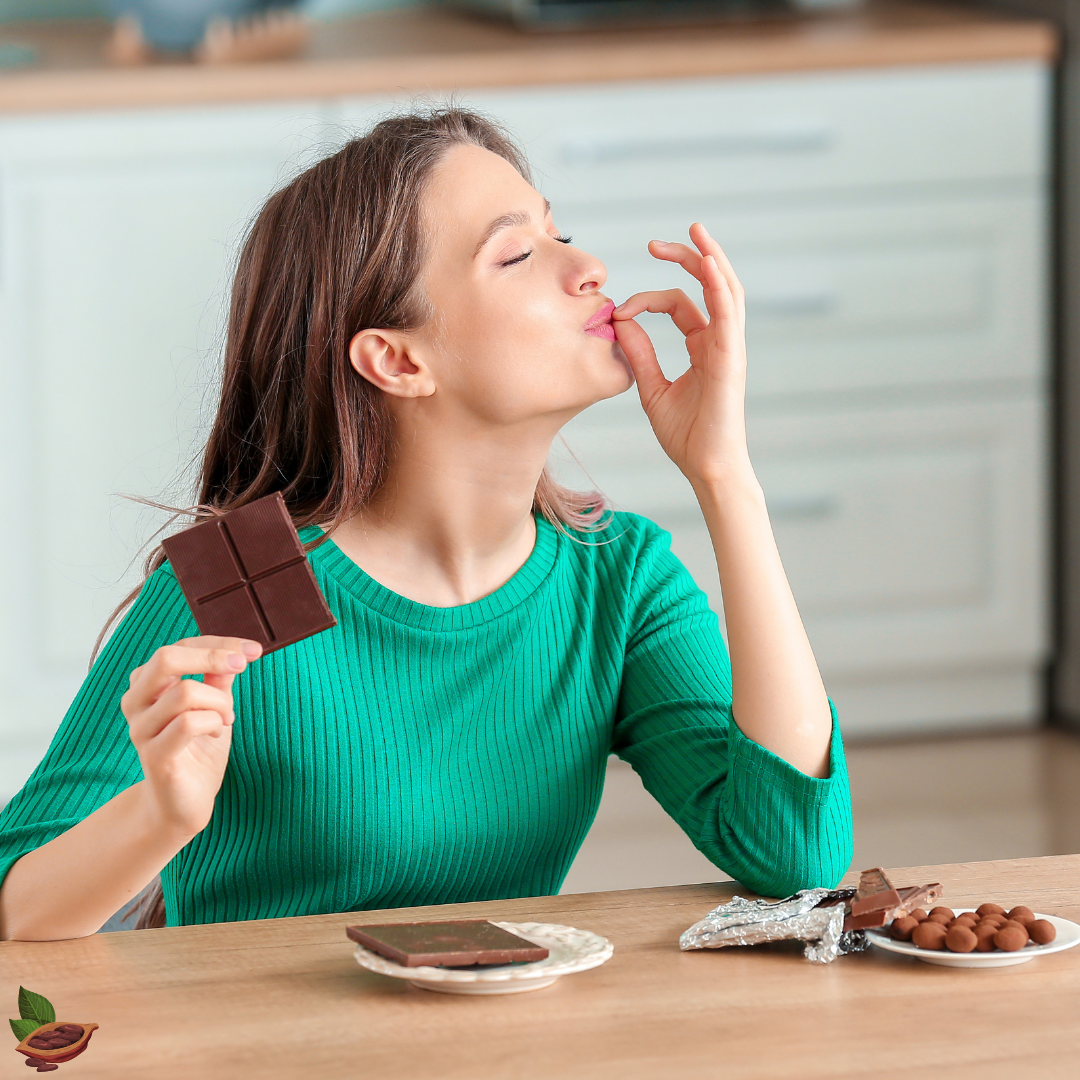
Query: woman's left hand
(699, 419)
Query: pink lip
(600, 324)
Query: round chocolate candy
(961, 939)
(1041, 931)
(1010, 925)
(993, 920)
(901, 928)
(919, 915)
(929, 935)
(984, 936)
(940, 918)
(990, 909)
(1022, 914)
(969, 918)
(940, 910)
(1011, 939)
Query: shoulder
(626, 540)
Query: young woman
(408, 333)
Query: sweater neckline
(525, 581)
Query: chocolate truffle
(961, 939)
(984, 936)
(902, 928)
(941, 910)
(990, 909)
(1012, 939)
(1042, 931)
(929, 935)
(920, 915)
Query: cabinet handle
(790, 137)
(802, 507)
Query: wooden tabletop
(437, 50)
(285, 998)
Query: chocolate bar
(244, 574)
(875, 893)
(446, 944)
(910, 898)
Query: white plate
(569, 950)
(1068, 935)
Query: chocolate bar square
(446, 944)
(245, 574)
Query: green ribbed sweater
(419, 755)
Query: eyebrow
(507, 221)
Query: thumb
(641, 356)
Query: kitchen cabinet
(890, 227)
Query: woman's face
(521, 330)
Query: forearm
(778, 699)
(70, 886)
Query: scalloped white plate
(1068, 935)
(569, 950)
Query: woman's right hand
(182, 728)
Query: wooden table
(284, 998)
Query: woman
(408, 333)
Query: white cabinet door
(769, 135)
(117, 235)
(913, 537)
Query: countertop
(284, 999)
(437, 50)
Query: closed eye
(525, 254)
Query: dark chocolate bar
(446, 944)
(245, 575)
(876, 893)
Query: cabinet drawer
(908, 292)
(911, 537)
(753, 136)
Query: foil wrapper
(815, 916)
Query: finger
(685, 256)
(182, 729)
(172, 661)
(641, 355)
(716, 290)
(686, 315)
(187, 695)
(251, 649)
(708, 246)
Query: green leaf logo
(34, 1011)
(22, 1028)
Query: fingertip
(252, 649)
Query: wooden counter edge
(187, 85)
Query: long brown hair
(337, 250)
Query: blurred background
(890, 181)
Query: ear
(388, 360)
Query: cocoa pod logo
(43, 1040)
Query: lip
(600, 324)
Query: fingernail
(236, 661)
(665, 242)
(252, 649)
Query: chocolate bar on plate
(446, 944)
(245, 575)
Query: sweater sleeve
(91, 758)
(753, 815)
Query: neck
(454, 520)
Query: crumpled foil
(799, 917)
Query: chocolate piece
(1011, 939)
(1041, 931)
(913, 897)
(875, 893)
(867, 921)
(245, 575)
(446, 944)
(961, 939)
(929, 935)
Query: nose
(589, 273)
